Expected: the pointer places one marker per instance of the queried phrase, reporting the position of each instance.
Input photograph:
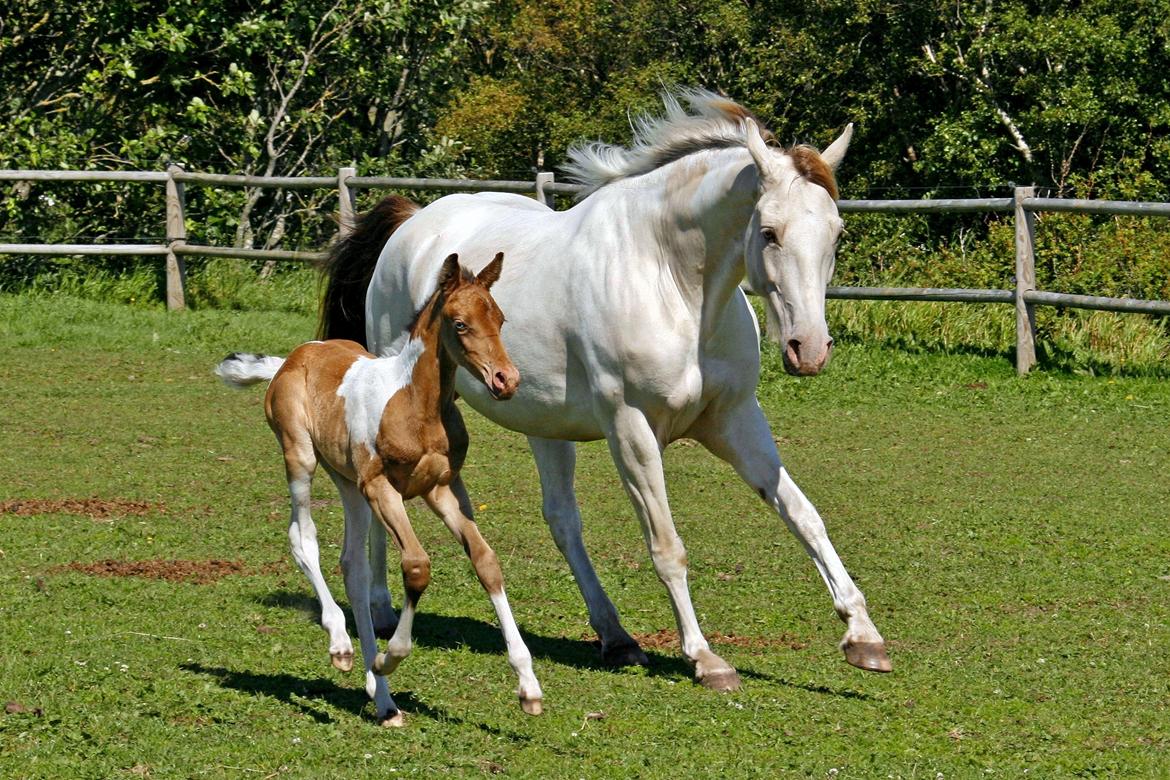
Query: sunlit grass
(1009, 535)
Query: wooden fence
(1023, 205)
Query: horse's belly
(534, 413)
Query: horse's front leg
(739, 434)
(638, 455)
(556, 462)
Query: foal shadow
(315, 696)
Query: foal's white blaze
(368, 386)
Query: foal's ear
(491, 272)
(449, 274)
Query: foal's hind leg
(300, 462)
(740, 435)
(446, 505)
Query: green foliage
(949, 98)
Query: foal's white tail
(241, 369)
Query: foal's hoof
(624, 654)
(532, 706)
(393, 720)
(870, 656)
(343, 661)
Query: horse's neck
(692, 214)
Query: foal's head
(471, 322)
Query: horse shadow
(314, 697)
(454, 632)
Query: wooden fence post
(176, 235)
(544, 196)
(1025, 281)
(347, 201)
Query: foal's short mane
(709, 121)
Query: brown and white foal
(386, 430)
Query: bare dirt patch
(93, 508)
(668, 639)
(198, 572)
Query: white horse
(626, 320)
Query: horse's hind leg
(355, 567)
(446, 505)
(300, 462)
(556, 462)
(740, 435)
(416, 568)
(381, 603)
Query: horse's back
(473, 226)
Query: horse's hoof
(394, 720)
(870, 656)
(713, 672)
(532, 706)
(722, 681)
(624, 654)
(342, 661)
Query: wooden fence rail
(1023, 205)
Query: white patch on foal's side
(368, 386)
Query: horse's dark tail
(350, 264)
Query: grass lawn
(1011, 536)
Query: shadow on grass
(449, 632)
(311, 696)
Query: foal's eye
(460, 326)
(769, 235)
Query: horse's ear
(760, 152)
(449, 273)
(836, 151)
(491, 272)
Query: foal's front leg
(443, 501)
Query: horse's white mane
(708, 121)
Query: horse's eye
(769, 235)
(460, 326)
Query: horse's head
(791, 243)
(471, 325)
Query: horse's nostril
(794, 347)
(501, 380)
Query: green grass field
(1011, 536)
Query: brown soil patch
(668, 638)
(198, 572)
(93, 508)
